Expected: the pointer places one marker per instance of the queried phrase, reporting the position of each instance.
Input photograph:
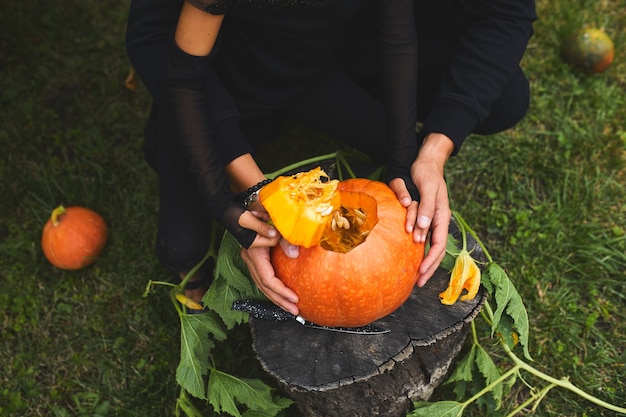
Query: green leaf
(452, 251)
(220, 298)
(231, 266)
(510, 302)
(195, 348)
(232, 282)
(227, 391)
(438, 409)
(489, 370)
(463, 370)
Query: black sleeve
(490, 48)
(198, 111)
(399, 78)
(210, 6)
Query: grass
(547, 197)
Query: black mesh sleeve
(196, 119)
(399, 76)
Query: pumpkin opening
(350, 225)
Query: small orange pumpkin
(358, 272)
(73, 237)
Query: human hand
(257, 258)
(258, 261)
(432, 214)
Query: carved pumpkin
(73, 237)
(361, 270)
(590, 49)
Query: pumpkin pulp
(300, 205)
(357, 214)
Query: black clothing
(486, 40)
(265, 62)
(299, 59)
(469, 54)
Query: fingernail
(272, 233)
(423, 221)
(406, 201)
(293, 251)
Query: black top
(267, 53)
(490, 40)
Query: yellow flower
(465, 276)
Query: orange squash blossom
(465, 275)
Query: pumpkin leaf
(231, 266)
(490, 372)
(195, 348)
(479, 360)
(220, 298)
(509, 302)
(227, 391)
(438, 409)
(463, 370)
(232, 282)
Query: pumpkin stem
(56, 215)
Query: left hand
(258, 261)
(257, 258)
(432, 214)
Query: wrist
(250, 196)
(436, 148)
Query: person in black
(223, 74)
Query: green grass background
(547, 197)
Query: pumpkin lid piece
(300, 205)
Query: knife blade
(269, 311)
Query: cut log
(331, 374)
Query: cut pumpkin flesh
(301, 205)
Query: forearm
(197, 30)
(244, 173)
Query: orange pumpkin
(590, 49)
(360, 271)
(73, 237)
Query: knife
(269, 311)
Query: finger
(263, 275)
(426, 212)
(428, 267)
(411, 216)
(292, 251)
(399, 187)
(437, 250)
(261, 215)
(250, 221)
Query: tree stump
(331, 374)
